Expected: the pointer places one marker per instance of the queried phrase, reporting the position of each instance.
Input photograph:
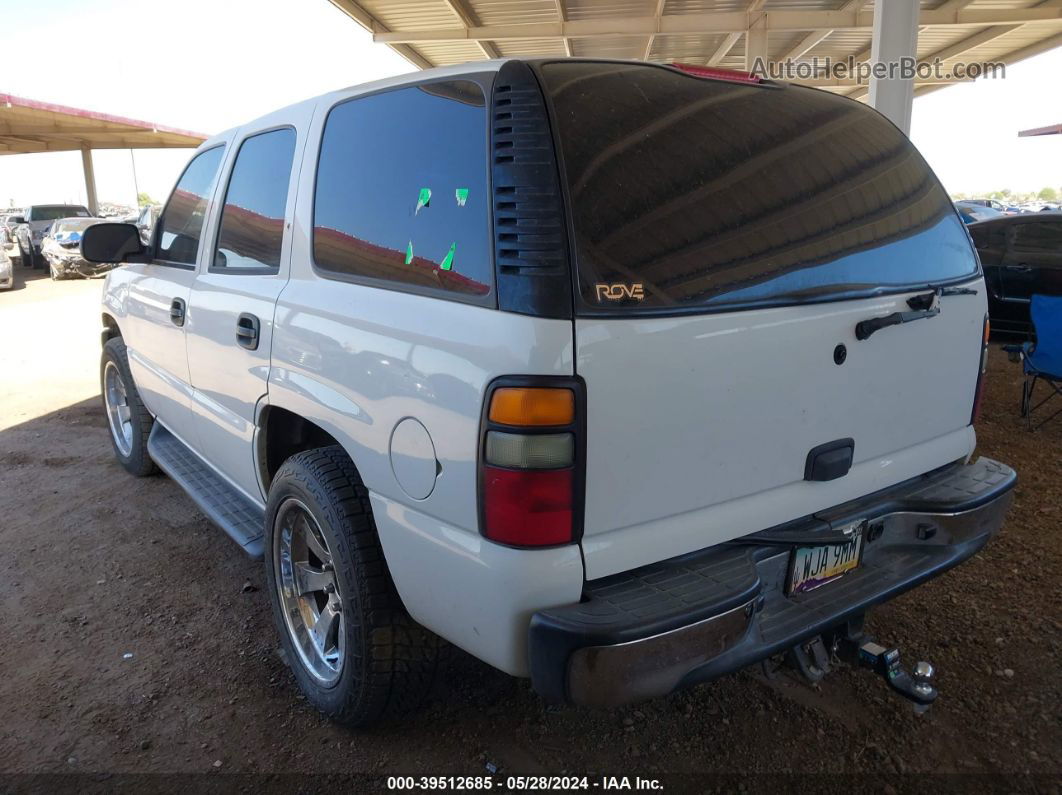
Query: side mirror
(112, 243)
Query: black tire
(389, 661)
(25, 256)
(136, 460)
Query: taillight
(531, 462)
(979, 392)
(714, 73)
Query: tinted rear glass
(401, 193)
(690, 193)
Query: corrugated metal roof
(442, 32)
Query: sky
(207, 65)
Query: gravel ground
(137, 638)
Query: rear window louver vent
(530, 234)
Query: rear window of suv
(695, 194)
(56, 211)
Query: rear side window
(252, 220)
(401, 194)
(1037, 238)
(689, 193)
(181, 223)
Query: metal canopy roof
(27, 125)
(712, 32)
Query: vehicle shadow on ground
(23, 275)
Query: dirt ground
(136, 638)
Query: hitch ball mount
(915, 686)
(852, 645)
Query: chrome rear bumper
(648, 632)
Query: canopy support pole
(90, 180)
(895, 38)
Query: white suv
(617, 376)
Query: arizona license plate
(811, 567)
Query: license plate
(811, 567)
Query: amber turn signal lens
(532, 406)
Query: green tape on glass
(461, 194)
(409, 252)
(423, 199)
(448, 260)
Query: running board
(224, 505)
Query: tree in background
(143, 198)
(1048, 194)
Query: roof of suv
(408, 79)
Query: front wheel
(25, 256)
(128, 419)
(355, 652)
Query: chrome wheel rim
(309, 592)
(119, 415)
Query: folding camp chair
(1041, 360)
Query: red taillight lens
(528, 507)
(979, 392)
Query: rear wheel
(25, 256)
(355, 652)
(128, 419)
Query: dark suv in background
(1021, 256)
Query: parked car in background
(972, 212)
(8, 222)
(7, 277)
(1021, 256)
(33, 223)
(991, 204)
(145, 222)
(602, 415)
(61, 249)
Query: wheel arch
(283, 433)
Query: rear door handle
(177, 312)
(247, 328)
(1022, 268)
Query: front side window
(401, 192)
(252, 220)
(181, 224)
(694, 194)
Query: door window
(252, 220)
(181, 224)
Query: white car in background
(61, 249)
(7, 278)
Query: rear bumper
(672, 624)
